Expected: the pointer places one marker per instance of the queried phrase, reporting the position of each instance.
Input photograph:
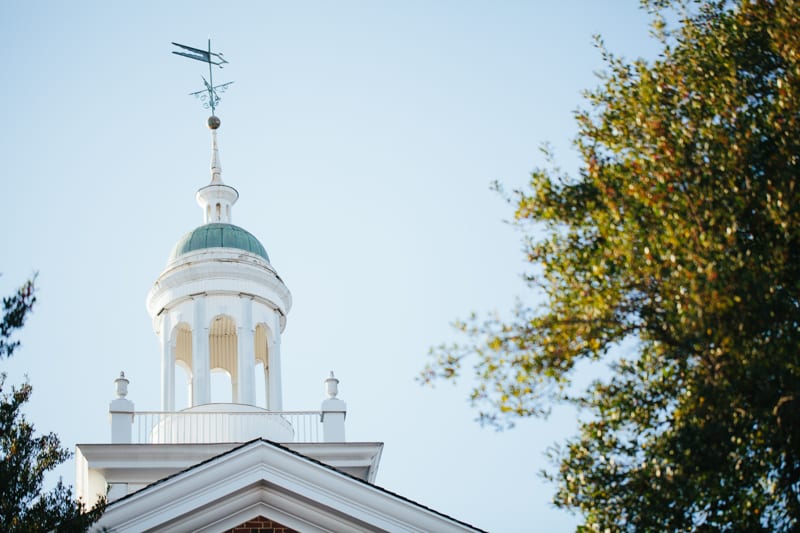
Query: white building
(219, 304)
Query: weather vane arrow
(206, 56)
(210, 95)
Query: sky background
(362, 138)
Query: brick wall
(261, 525)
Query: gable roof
(263, 478)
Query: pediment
(264, 479)
(261, 524)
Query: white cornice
(147, 463)
(224, 272)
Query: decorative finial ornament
(210, 95)
(121, 385)
(332, 386)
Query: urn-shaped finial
(122, 385)
(332, 386)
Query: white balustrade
(214, 423)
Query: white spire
(216, 199)
(216, 165)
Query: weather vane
(210, 95)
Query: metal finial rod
(210, 95)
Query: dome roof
(218, 235)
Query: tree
(26, 457)
(672, 258)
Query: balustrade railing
(158, 427)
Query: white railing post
(120, 411)
(333, 414)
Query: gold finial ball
(213, 122)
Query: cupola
(219, 305)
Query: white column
(167, 364)
(201, 371)
(265, 377)
(274, 396)
(245, 356)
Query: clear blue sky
(362, 137)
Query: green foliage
(679, 236)
(26, 457)
(14, 310)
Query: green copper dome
(218, 235)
